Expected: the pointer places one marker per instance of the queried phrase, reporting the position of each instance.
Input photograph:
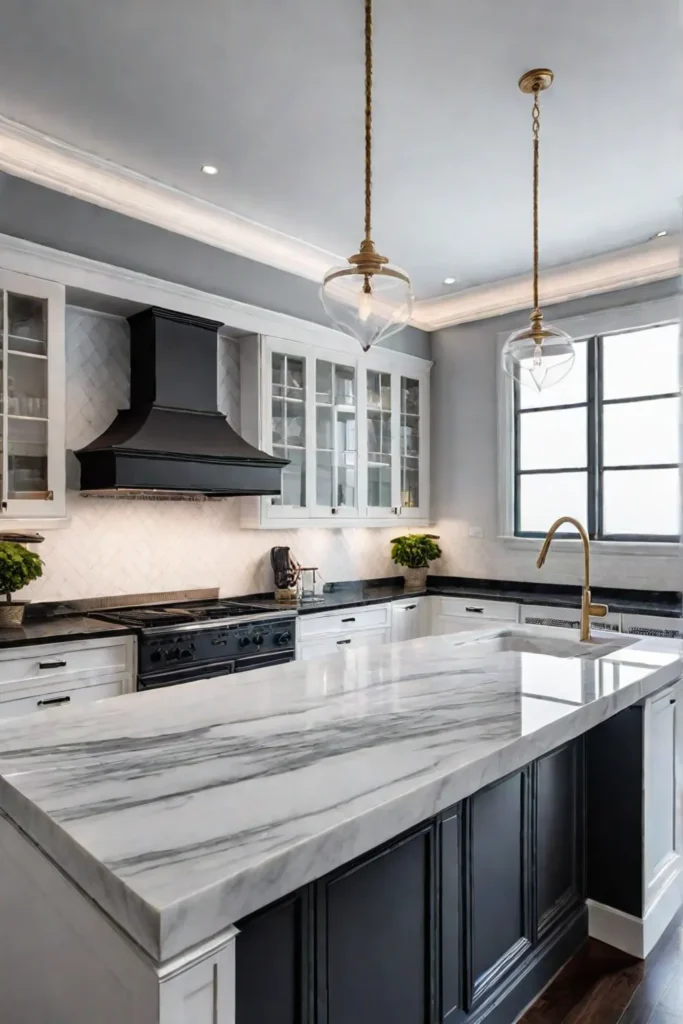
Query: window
(603, 444)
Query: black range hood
(173, 441)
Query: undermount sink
(599, 646)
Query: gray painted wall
(50, 218)
(465, 458)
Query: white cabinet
(457, 614)
(203, 992)
(662, 851)
(408, 619)
(308, 649)
(652, 625)
(32, 399)
(564, 618)
(338, 631)
(47, 677)
(354, 426)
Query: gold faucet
(587, 608)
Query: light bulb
(365, 305)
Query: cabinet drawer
(319, 648)
(62, 662)
(18, 703)
(477, 609)
(371, 617)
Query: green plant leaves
(18, 566)
(415, 550)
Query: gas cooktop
(187, 614)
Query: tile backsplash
(124, 547)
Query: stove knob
(173, 655)
(244, 641)
(186, 654)
(283, 638)
(258, 639)
(155, 656)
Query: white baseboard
(635, 935)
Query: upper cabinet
(32, 400)
(354, 426)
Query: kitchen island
(393, 834)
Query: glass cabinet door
(410, 446)
(380, 466)
(31, 397)
(336, 447)
(288, 428)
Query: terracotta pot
(415, 579)
(12, 614)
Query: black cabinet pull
(343, 641)
(348, 620)
(672, 700)
(479, 610)
(409, 607)
(51, 664)
(53, 702)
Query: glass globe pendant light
(367, 297)
(539, 355)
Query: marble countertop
(181, 810)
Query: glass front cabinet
(355, 428)
(32, 401)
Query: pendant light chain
(368, 120)
(536, 127)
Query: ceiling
(270, 91)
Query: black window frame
(595, 468)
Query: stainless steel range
(179, 643)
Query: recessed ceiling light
(661, 234)
(449, 280)
(209, 169)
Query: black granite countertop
(358, 593)
(58, 628)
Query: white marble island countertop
(178, 811)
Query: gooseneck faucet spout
(587, 607)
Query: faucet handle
(598, 610)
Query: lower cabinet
(463, 919)
(318, 648)
(375, 923)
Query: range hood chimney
(173, 442)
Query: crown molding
(656, 260)
(46, 161)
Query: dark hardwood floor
(602, 985)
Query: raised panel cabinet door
(497, 861)
(271, 965)
(558, 834)
(374, 937)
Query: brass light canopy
(367, 297)
(539, 355)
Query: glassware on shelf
(27, 324)
(288, 426)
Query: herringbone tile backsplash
(125, 547)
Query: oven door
(185, 674)
(263, 660)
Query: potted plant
(414, 552)
(18, 566)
